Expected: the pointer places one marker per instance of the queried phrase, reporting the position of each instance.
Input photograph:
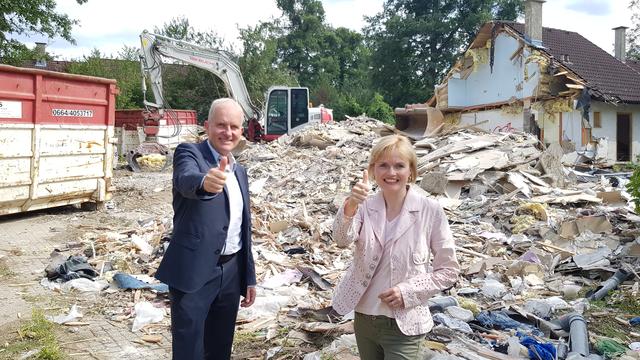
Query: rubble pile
(540, 246)
(533, 236)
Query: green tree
(414, 42)
(333, 63)
(28, 17)
(633, 35)
(301, 46)
(186, 86)
(126, 72)
(259, 63)
(179, 28)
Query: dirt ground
(26, 241)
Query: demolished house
(549, 82)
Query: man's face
(225, 129)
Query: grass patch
(610, 328)
(37, 335)
(623, 302)
(5, 271)
(245, 339)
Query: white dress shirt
(233, 242)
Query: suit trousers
(203, 322)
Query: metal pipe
(610, 284)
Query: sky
(108, 25)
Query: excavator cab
(287, 108)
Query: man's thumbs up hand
(215, 179)
(223, 163)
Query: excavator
(286, 108)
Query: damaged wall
(496, 119)
(609, 129)
(507, 81)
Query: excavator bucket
(419, 120)
(149, 156)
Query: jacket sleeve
(418, 289)
(187, 177)
(346, 229)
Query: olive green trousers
(379, 338)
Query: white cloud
(110, 24)
(596, 27)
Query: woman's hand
(392, 297)
(359, 193)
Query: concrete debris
(532, 235)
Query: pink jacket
(424, 222)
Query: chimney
(620, 44)
(41, 54)
(533, 21)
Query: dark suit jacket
(200, 224)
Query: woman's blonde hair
(391, 143)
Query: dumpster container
(177, 126)
(56, 139)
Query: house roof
(634, 64)
(602, 71)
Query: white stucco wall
(495, 119)
(608, 116)
(503, 84)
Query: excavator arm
(218, 62)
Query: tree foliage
(332, 62)
(28, 17)
(414, 42)
(259, 62)
(633, 35)
(126, 72)
(186, 86)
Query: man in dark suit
(209, 263)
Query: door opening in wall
(623, 137)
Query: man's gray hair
(218, 102)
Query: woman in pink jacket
(396, 232)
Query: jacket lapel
(207, 154)
(409, 213)
(377, 213)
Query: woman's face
(392, 172)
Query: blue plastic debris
(538, 350)
(501, 320)
(126, 281)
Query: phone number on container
(69, 112)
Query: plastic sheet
(146, 313)
(126, 281)
(501, 320)
(610, 348)
(538, 350)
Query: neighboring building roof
(52, 65)
(602, 71)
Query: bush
(379, 109)
(633, 187)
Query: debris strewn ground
(537, 237)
